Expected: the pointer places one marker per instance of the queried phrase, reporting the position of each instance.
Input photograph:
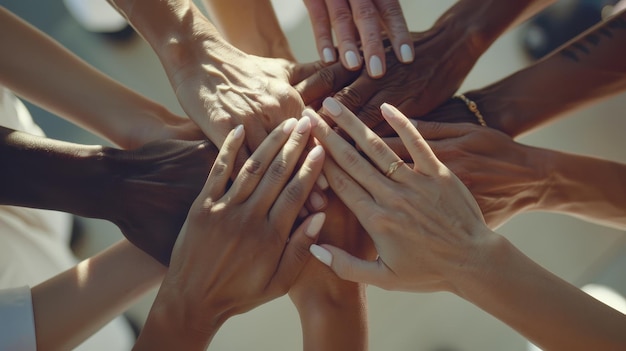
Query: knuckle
(294, 193)
(370, 115)
(327, 77)
(341, 182)
(253, 168)
(277, 171)
(341, 15)
(378, 147)
(219, 168)
(351, 98)
(391, 13)
(350, 156)
(365, 12)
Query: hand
(424, 223)
(153, 190)
(417, 88)
(370, 18)
(505, 177)
(235, 250)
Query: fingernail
(304, 124)
(406, 54)
(351, 59)
(316, 223)
(238, 131)
(289, 125)
(388, 110)
(321, 254)
(316, 153)
(332, 106)
(329, 55)
(317, 201)
(375, 66)
(322, 182)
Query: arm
(64, 84)
(587, 69)
(444, 55)
(449, 247)
(251, 26)
(146, 192)
(507, 178)
(236, 250)
(91, 294)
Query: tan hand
(423, 221)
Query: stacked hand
(424, 223)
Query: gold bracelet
(471, 105)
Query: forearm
(584, 71)
(539, 305)
(251, 26)
(44, 173)
(481, 22)
(333, 319)
(91, 294)
(586, 187)
(42, 71)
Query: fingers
(321, 29)
(423, 157)
(321, 81)
(349, 267)
(367, 20)
(296, 252)
(254, 167)
(345, 32)
(370, 143)
(282, 166)
(223, 166)
(296, 192)
(395, 26)
(357, 95)
(438, 130)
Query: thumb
(349, 267)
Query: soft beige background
(577, 251)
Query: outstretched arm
(146, 192)
(587, 69)
(42, 71)
(90, 294)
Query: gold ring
(393, 166)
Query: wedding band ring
(393, 166)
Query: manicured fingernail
(238, 131)
(388, 110)
(316, 223)
(321, 254)
(317, 201)
(308, 112)
(375, 66)
(322, 182)
(304, 124)
(406, 54)
(316, 153)
(351, 59)
(289, 125)
(332, 106)
(329, 55)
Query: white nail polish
(304, 124)
(322, 182)
(351, 59)
(289, 125)
(321, 254)
(316, 223)
(375, 66)
(328, 54)
(238, 131)
(332, 106)
(406, 54)
(316, 152)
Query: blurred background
(579, 252)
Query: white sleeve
(17, 320)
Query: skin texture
(359, 25)
(146, 192)
(217, 85)
(42, 71)
(444, 55)
(430, 236)
(236, 249)
(584, 71)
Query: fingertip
(321, 254)
(315, 225)
(375, 67)
(351, 60)
(238, 131)
(328, 55)
(332, 106)
(406, 53)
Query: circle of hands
(249, 234)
